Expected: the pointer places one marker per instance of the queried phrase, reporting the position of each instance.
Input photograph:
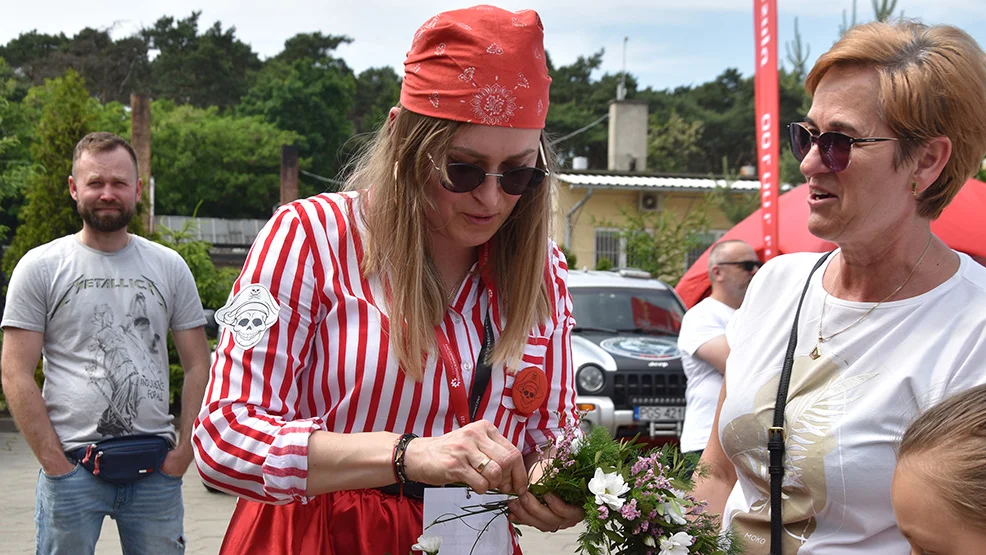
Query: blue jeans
(70, 509)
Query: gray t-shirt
(105, 319)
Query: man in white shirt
(702, 340)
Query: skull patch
(249, 314)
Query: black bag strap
(775, 434)
(483, 369)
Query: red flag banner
(653, 317)
(768, 111)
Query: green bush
(213, 285)
(573, 260)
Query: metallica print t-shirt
(105, 319)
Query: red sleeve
(248, 438)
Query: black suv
(625, 353)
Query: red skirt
(341, 523)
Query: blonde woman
(351, 375)
(939, 485)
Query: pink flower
(630, 511)
(603, 512)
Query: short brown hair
(954, 431)
(932, 84)
(101, 141)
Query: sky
(670, 43)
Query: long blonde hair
(395, 170)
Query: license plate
(658, 414)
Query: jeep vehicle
(628, 371)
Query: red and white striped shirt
(325, 363)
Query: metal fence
(219, 232)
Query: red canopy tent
(962, 226)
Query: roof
(596, 179)
(615, 279)
(217, 231)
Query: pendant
(814, 354)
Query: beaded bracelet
(400, 449)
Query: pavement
(206, 513)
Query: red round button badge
(530, 390)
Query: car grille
(648, 388)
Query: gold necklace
(455, 288)
(816, 353)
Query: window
(610, 245)
(651, 311)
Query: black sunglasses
(463, 177)
(834, 148)
(748, 265)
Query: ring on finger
(482, 466)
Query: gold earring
(914, 189)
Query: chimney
(140, 136)
(289, 173)
(628, 135)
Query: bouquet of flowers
(635, 501)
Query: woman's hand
(550, 516)
(476, 455)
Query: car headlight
(591, 379)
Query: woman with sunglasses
(891, 322)
(411, 332)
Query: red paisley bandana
(480, 65)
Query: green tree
(229, 163)
(377, 90)
(16, 164)
(725, 109)
(211, 69)
(848, 23)
(673, 144)
(313, 98)
(313, 46)
(798, 54)
(794, 106)
(214, 284)
(111, 69)
(736, 205)
(28, 49)
(67, 114)
(659, 242)
(884, 9)
(578, 102)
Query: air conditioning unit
(650, 201)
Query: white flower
(676, 544)
(649, 541)
(608, 487)
(672, 513)
(576, 445)
(428, 544)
